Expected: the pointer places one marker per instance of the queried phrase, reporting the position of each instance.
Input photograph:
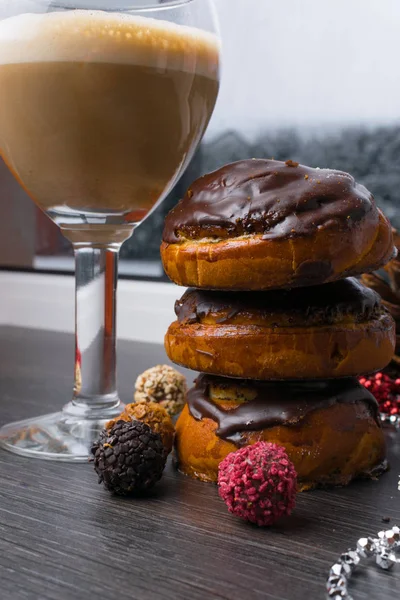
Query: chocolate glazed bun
(265, 224)
(331, 430)
(335, 330)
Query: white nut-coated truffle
(162, 384)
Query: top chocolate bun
(263, 224)
(275, 199)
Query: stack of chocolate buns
(276, 321)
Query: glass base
(58, 436)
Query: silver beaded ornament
(336, 588)
(336, 583)
(351, 559)
(385, 559)
(366, 547)
(343, 595)
(383, 548)
(340, 569)
(392, 537)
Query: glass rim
(66, 4)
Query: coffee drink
(100, 112)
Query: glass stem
(95, 391)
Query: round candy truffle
(164, 385)
(154, 415)
(258, 483)
(129, 458)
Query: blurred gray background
(309, 80)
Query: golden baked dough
(265, 224)
(335, 330)
(332, 434)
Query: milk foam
(97, 36)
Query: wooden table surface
(63, 537)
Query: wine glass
(102, 105)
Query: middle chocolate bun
(335, 330)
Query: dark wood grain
(63, 537)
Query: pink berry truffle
(258, 483)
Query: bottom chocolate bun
(330, 430)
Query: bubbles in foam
(99, 36)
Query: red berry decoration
(258, 483)
(386, 391)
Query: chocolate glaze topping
(269, 197)
(275, 404)
(324, 303)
